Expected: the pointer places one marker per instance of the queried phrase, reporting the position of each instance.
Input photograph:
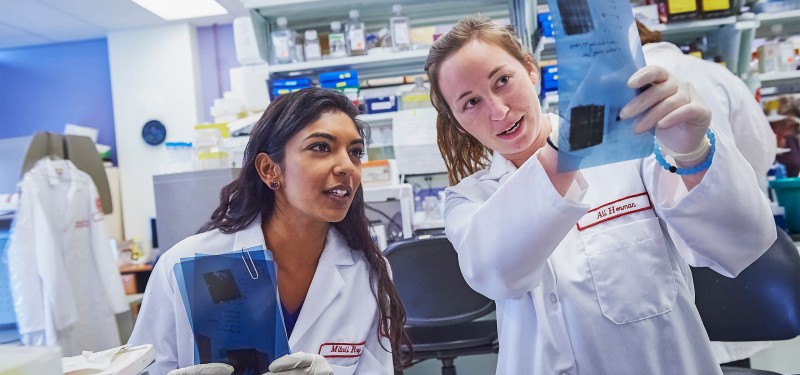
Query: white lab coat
(736, 113)
(65, 283)
(615, 297)
(339, 307)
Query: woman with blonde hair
(589, 268)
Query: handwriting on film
(592, 49)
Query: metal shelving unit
(384, 65)
(778, 83)
(378, 119)
(317, 14)
(779, 76)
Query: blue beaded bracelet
(687, 171)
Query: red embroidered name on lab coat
(341, 349)
(612, 210)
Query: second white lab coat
(597, 282)
(734, 109)
(65, 283)
(736, 113)
(339, 308)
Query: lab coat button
(564, 373)
(553, 300)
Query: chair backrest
(430, 284)
(762, 303)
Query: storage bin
(788, 192)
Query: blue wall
(217, 54)
(42, 88)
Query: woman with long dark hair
(299, 195)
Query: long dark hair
(241, 201)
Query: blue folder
(598, 49)
(232, 303)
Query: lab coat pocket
(631, 271)
(343, 370)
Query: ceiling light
(181, 9)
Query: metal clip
(248, 266)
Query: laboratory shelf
(778, 17)
(692, 29)
(303, 14)
(378, 119)
(375, 14)
(380, 65)
(779, 76)
(780, 83)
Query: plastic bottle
(417, 97)
(401, 29)
(356, 35)
(282, 42)
(336, 40)
(298, 55)
(383, 38)
(311, 46)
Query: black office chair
(761, 304)
(441, 308)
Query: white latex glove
(204, 369)
(300, 363)
(672, 106)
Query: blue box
(550, 78)
(381, 104)
(278, 91)
(295, 82)
(338, 76)
(545, 22)
(339, 83)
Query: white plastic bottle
(401, 29)
(282, 42)
(311, 46)
(356, 35)
(336, 40)
(298, 55)
(418, 97)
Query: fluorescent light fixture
(181, 9)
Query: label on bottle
(681, 6)
(336, 45)
(711, 5)
(313, 51)
(281, 47)
(357, 42)
(400, 35)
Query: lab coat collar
(326, 285)
(499, 168)
(250, 236)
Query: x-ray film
(232, 303)
(598, 49)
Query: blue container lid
(785, 183)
